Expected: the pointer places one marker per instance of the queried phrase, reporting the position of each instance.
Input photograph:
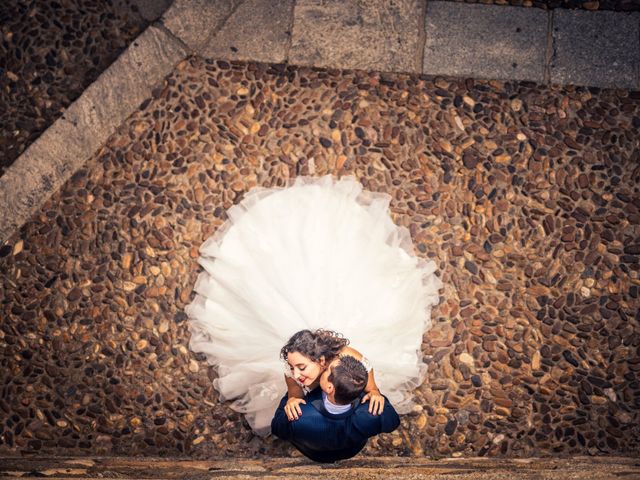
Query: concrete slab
(152, 9)
(194, 21)
(485, 41)
(372, 35)
(599, 49)
(85, 126)
(258, 30)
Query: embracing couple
(332, 405)
(322, 252)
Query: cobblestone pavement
(50, 52)
(526, 197)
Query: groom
(334, 424)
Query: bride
(321, 253)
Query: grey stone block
(36, 175)
(599, 49)
(152, 9)
(485, 41)
(258, 30)
(124, 85)
(194, 21)
(65, 146)
(371, 35)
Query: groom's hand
(292, 408)
(376, 402)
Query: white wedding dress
(321, 253)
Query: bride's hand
(376, 402)
(292, 408)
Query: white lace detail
(287, 369)
(367, 364)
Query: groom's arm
(369, 425)
(389, 419)
(280, 425)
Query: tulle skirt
(320, 253)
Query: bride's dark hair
(316, 344)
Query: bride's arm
(296, 397)
(293, 389)
(371, 384)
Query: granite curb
(596, 49)
(485, 41)
(151, 10)
(442, 38)
(88, 122)
(564, 47)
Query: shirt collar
(332, 407)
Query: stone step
(301, 469)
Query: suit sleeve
(369, 425)
(389, 419)
(280, 425)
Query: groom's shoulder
(362, 414)
(310, 421)
(387, 421)
(309, 407)
(309, 411)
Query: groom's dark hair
(349, 377)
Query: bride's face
(305, 370)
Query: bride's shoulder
(358, 356)
(346, 350)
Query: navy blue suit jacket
(325, 437)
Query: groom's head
(344, 380)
